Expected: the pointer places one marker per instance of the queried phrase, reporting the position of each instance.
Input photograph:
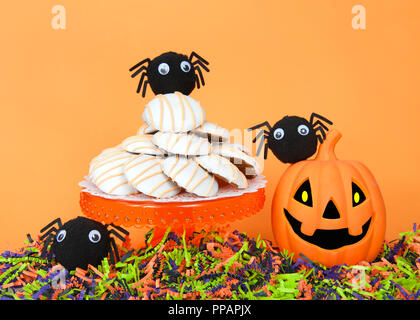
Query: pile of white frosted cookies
(176, 150)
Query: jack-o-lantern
(330, 210)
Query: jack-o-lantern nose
(331, 211)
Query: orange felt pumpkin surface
(330, 210)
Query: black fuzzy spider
(293, 138)
(170, 72)
(80, 242)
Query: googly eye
(61, 235)
(163, 69)
(94, 236)
(185, 66)
(278, 134)
(303, 130)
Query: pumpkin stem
(326, 149)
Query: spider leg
(58, 221)
(29, 238)
(114, 251)
(47, 242)
(194, 54)
(48, 233)
(141, 82)
(259, 135)
(200, 74)
(111, 255)
(321, 130)
(143, 68)
(144, 88)
(115, 233)
(201, 64)
(139, 64)
(265, 123)
(260, 145)
(120, 229)
(49, 256)
(320, 139)
(265, 151)
(197, 81)
(320, 124)
(316, 115)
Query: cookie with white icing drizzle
(247, 164)
(186, 144)
(146, 129)
(212, 131)
(238, 146)
(141, 144)
(144, 172)
(107, 173)
(104, 153)
(190, 175)
(223, 168)
(173, 112)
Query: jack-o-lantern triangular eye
(357, 195)
(304, 194)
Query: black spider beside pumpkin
(292, 138)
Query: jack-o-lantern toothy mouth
(327, 239)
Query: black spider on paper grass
(81, 241)
(292, 138)
(170, 72)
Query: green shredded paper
(213, 265)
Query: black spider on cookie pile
(292, 138)
(170, 72)
(80, 242)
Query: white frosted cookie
(141, 144)
(186, 144)
(223, 168)
(106, 152)
(106, 172)
(145, 129)
(212, 131)
(144, 172)
(188, 174)
(238, 146)
(246, 163)
(173, 112)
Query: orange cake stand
(180, 216)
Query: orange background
(65, 95)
